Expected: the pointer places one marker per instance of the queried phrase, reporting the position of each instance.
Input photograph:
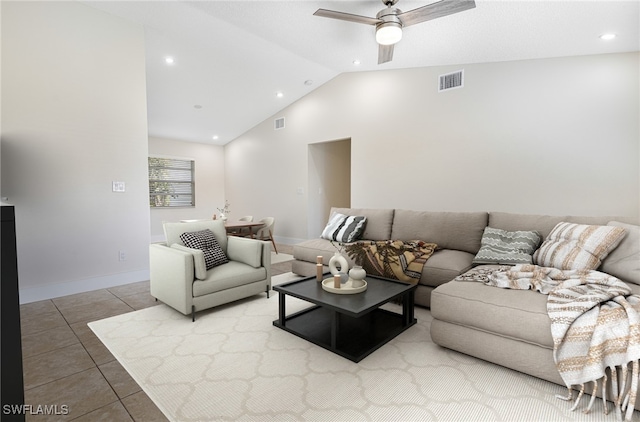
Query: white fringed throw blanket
(595, 325)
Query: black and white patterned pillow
(344, 228)
(206, 241)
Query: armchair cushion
(199, 266)
(205, 241)
(247, 251)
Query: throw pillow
(499, 246)
(207, 242)
(572, 246)
(344, 228)
(624, 261)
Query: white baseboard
(50, 291)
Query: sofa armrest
(171, 276)
(256, 253)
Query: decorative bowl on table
(345, 288)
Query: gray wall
(74, 120)
(552, 136)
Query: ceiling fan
(390, 21)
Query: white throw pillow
(572, 246)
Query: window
(171, 183)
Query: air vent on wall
(451, 81)
(279, 123)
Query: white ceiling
(231, 57)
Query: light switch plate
(118, 186)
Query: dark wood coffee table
(352, 326)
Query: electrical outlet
(122, 255)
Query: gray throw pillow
(507, 248)
(206, 241)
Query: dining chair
(245, 231)
(266, 231)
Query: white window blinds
(171, 182)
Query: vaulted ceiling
(231, 58)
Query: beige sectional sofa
(507, 327)
(457, 235)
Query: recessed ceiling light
(215, 137)
(198, 106)
(279, 94)
(308, 82)
(168, 60)
(356, 62)
(607, 37)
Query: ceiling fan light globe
(388, 33)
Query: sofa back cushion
(543, 224)
(624, 261)
(461, 231)
(379, 221)
(172, 231)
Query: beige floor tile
(37, 308)
(46, 341)
(140, 301)
(130, 289)
(142, 408)
(98, 351)
(95, 311)
(31, 324)
(119, 379)
(82, 392)
(114, 412)
(83, 332)
(82, 299)
(56, 364)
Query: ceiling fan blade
(347, 17)
(385, 53)
(435, 10)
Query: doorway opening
(329, 182)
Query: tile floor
(64, 363)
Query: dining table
(234, 228)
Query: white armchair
(180, 279)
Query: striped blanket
(392, 258)
(595, 325)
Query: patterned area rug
(232, 364)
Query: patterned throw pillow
(344, 228)
(207, 243)
(578, 246)
(509, 248)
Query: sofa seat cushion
(517, 314)
(445, 265)
(226, 276)
(310, 249)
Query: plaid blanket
(392, 258)
(595, 325)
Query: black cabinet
(12, 385)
